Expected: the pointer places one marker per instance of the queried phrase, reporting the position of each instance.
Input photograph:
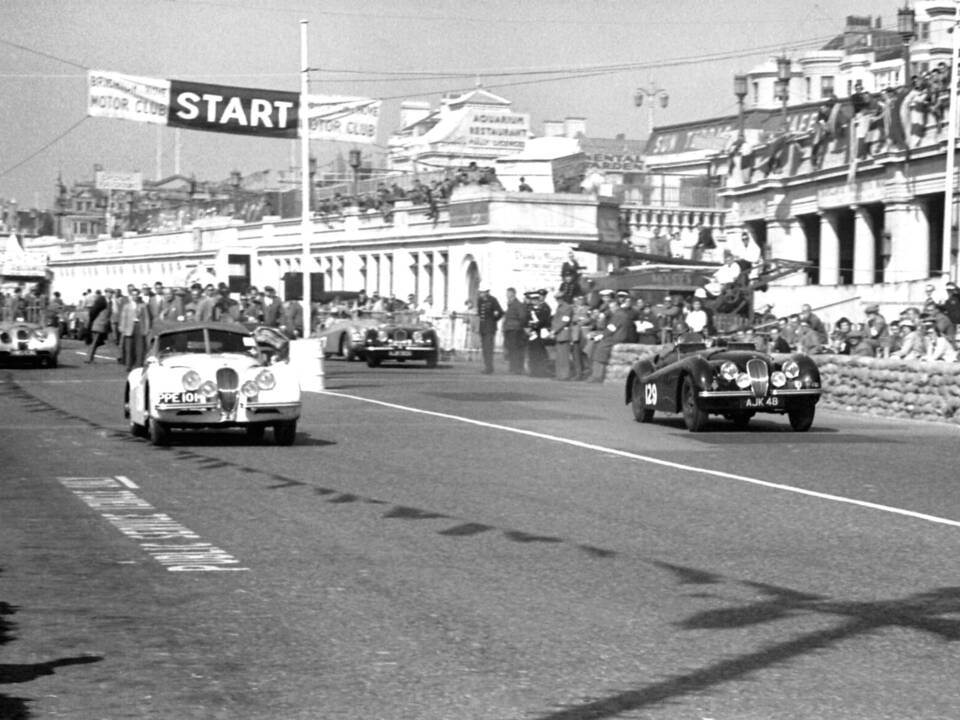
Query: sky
(552, 58)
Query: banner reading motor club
(224, 108)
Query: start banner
(244, 111)
(224, 108)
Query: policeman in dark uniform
(621, 328)
(489, 313)
(538, 326)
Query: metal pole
(305, 229)
(948, 205)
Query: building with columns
(498, 238)
(850, 181)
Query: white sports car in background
(213, 374)
(26, 342)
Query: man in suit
(489, 313)
(134, 328)
(208, 304)
(272, 308)
(514, 338)
(561, 325)
(620, 328)
(294, 315)
(170, 307)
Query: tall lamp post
(652, 93)
(906, 28)
(740, 90)
(783, 85)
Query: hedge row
(870, 386)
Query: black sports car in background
(401, 341)
(729, 379)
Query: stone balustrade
(913, 390)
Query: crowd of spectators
(432, 195)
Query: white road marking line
(126, 482)
(102, 357)
(175, 547)
(657, 461)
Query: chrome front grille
(227, 382)
(759, 377)
(399, 335)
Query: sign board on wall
(476, 212)
(124, 181)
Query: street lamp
(906, 28)
(783, 85)
(652, 93)
(740, 90)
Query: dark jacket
(515, 316)
(489, 313)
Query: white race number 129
(649, 394)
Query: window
(826, 86)
(808, 82)
(923, 31)
(756, 92)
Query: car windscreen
(187, 341)
(226, 341)
(204, 340)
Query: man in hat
(514, 336)
(538, 329)
(857, 347)
(912, 345)
(621, 328)
(764, 315)
(489, 313)
(951, 306)
(876, 332)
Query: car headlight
(729, 371)
(208, 388)
(417, 336)
(266, 380)
(743, 381)
(382, 336)
(39, 334)
(191, 380)
(356, 336)
(778, 379)
(791, 369)
(249, 389)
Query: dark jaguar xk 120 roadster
(733, 380)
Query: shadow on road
(923, 611)
(16, 708)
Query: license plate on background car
(186, 397)
(23, 353)
(763, 402)
(401, 353)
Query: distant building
(475, 126)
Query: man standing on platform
(489, 313)
(514, 337)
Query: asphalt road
(446, 545)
